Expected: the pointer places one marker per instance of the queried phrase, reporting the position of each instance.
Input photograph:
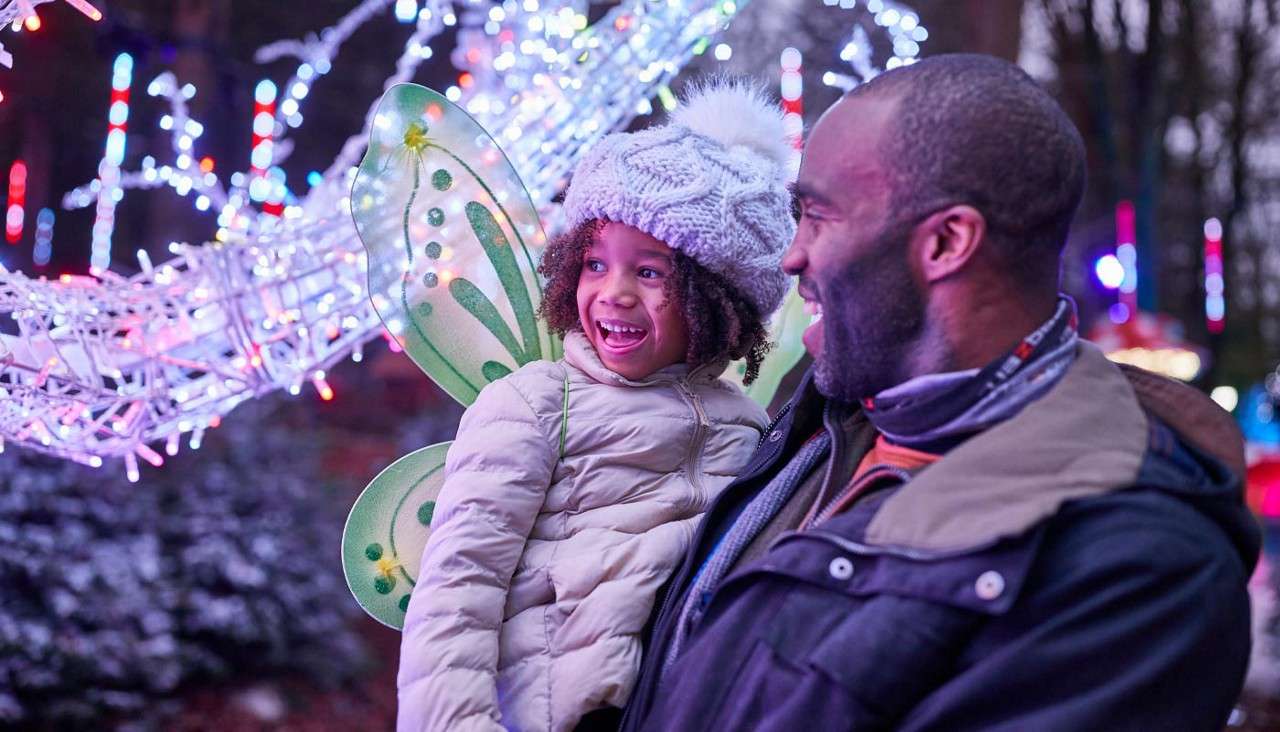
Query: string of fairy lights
(113, 367)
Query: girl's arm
(498, 471)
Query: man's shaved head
(978, 130)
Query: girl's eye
(595, 265)
(649, 273)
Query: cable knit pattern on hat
(711, 184)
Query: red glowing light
(18, 177)
(323, 388)
(1126, 230)
(33, 22)
(15, 211)
(466, 80)
(206, 164)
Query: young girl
(573, 488)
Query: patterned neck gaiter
(936, 412)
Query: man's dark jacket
(1081, 566)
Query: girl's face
(622, 302)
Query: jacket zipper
(855, 487)
(693, 461)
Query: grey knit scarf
(763, 507)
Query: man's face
(851, 254)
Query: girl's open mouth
(620, 337)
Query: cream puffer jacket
(554, 530)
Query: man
(966, 517)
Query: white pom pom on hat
(736, 112)
(718, 195)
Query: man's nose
(795, 261)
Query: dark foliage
(224, 564)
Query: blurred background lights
(1226, 396)
(406, 10)
(1215, 302)
(1110, 271)
(15, 209)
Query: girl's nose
(619, 290)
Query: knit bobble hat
(712, 183)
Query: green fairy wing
(785, 330)
(453, 241)
(386, 531)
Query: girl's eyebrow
(654, 254)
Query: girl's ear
(946, 241)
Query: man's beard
(872, 318)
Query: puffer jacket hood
(571, 494)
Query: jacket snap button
(775, 435)
(989, 586)
(840, 568)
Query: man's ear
(946, 241)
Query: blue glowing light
(1110, 271)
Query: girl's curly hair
(721, 322)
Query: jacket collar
(579, 353)
(1087, 436)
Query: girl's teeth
(619, 328)
(812, 307)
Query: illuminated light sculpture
(260, 157)
(15, 211)
(1126, 305)
(1215, 301)
(102, 367)
(97, 368)
(109, 190)
(43, 249)
(791, 89)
